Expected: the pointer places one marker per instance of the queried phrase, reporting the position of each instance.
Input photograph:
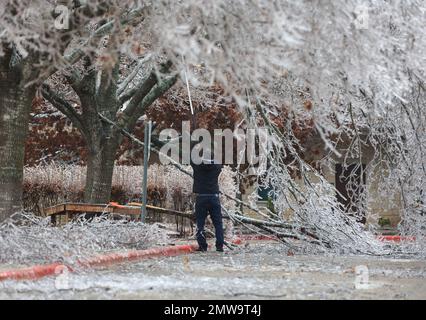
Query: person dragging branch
(207, 201)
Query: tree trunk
(100, 167)
(15, 108)
(100, 99)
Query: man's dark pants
(204, 205)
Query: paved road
(261, 270)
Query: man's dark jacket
(206, 178)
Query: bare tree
(32, 47)
(104, 98)
(15, 107)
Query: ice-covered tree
(342, 66)
(35, 39)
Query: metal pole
(146, 151)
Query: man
(206, 189)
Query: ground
(258, 271)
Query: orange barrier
(116, 205)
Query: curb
(111, 258)
(396, 239)
(40, 271)
(32, 273)
(248, 237)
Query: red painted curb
(248, 237)
(37, 272)
(137, 254)
(34, 272)
(396, 238)
(40, 271)
(242, 238)
(237, 241)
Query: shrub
(47, 185)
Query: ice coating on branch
(28, 239)
(351, 70)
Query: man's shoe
(219, 249)
(199, 249)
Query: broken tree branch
(265, 225)
(62, 105)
